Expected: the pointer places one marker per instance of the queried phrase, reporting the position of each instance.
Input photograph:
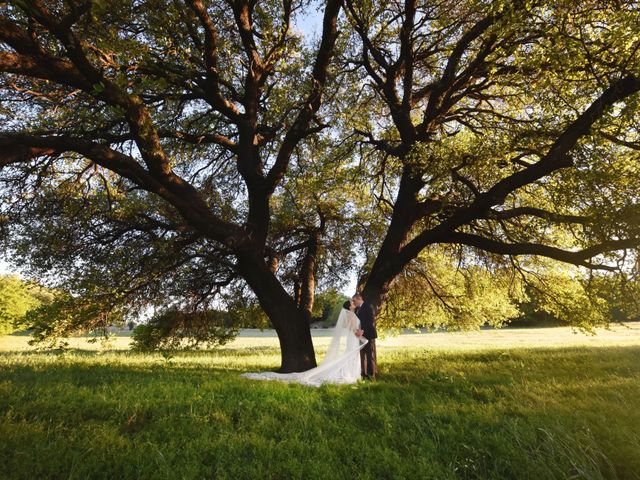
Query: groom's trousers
(368, 362)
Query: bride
(341, 363)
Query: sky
(4, 267)
(309, 22)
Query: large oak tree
(183, 118)
(508, 128)
(183, 148)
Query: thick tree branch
(556, 158)
(199, 139)
(94, 83)
(271, 56)
(537, 212)
(579, 257)
(183, 195)
(380, 145)
(212, 84)
(428, 207)
(39, 66)
(300, 126)
(293, 248)
(449, 75)
(619, 141)
(21, 148)
(360, 26)
(405, 61)
(243, 11)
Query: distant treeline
(25, 305)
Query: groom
(367, 317)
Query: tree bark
(289, 321)
(380, 280)
(386, 265)
(308, 276)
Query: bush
(17, 297)
(177, 330)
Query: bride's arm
(353, 324)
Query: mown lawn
(511, 413)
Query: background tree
(327, 307)
(561, 294)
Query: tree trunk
(388, 263)
(296, 344)
(376, 289)
(289, 321)
(308, 275)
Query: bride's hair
(347, 305)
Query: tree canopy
(197, 154)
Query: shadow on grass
(518, 413)
(533, 379)
(399, 367)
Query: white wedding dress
(341, 363)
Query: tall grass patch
(484, 414)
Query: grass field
(508, 404)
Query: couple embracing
(351, 354)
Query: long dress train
(341, 363)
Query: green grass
(508, 413)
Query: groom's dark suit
(368, 325)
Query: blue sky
(310, 21)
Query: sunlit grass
(442, 408)
(617, 335)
